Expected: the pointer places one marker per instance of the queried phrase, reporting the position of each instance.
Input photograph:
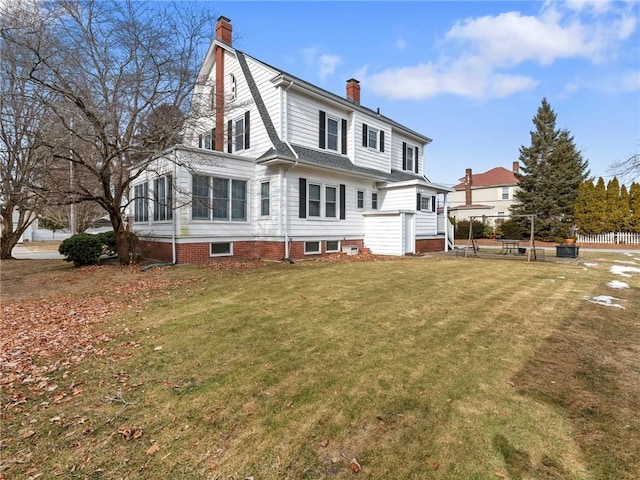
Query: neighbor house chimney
(516, 167)
(223, 30)
(353, 90)
(468, 181)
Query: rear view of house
(275, 167)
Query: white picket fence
(611, 238)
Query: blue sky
(468, 74)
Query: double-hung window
(323, 196)
(216, 198)
(372, 138)
(265, 198)
(238, 135)
(505, 193)
(408, 157)
(163, 198)
(141, 202)
(360, 199)
(332, 133)
(374, 201)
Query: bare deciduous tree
(109, 69)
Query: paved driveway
(22, 252)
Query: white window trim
(307, 252)
(377, 134)
(229, 219)
(262, 182)
(338, 133)
(235, 134)
(327, 248)
(323, 201)
(377, 205)
(229, 254)
(358, 192)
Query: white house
(491, 193)
(284, 169)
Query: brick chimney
(223, 34)
(224, 30)
(353, 90)
(516, 167)
(468, 181)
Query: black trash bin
(567, 251)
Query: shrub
(108, 239)
(512, 229)
(81, 249)
(462, 229)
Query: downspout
(174, 193)
(445, 211)
(286, 181)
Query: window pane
(200, 200)
(373, 138)
(330, 202)
(311, 247)
(409, 155)
(360, 199)
(332, 134)
(221, 248)
(333, 245)
(374, 201)
(239, 135)
(221, 199)
(238, 200)
(264, 198)
(314, 200)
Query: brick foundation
(428, 245)
(199, 252)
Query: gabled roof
(496, 177)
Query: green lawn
(416, 368)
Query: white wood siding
(426, 224)
(384, 233)
(396, 151)
(368, 157)
(303, 119)
(399, 199)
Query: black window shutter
(246, 129)
(364, 134)
(418, 203)
(404, 155)
(433, 203)
(343, 196)
(344, 137)
(229, 136)
(302, 208)
(381, 141)
(199, 141)
(416, 160)
(323, 132)
(213, 139)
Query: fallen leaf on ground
(153, 449)
(354, 466)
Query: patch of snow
(561, 277)
(604, 300)
(590, 264)
(624, 270)
(618, 284)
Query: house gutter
(285, 202)
(174, 257)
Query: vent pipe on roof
(468, 181)
(353, 90)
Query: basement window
(311, 248)
(221, 249)
(332, 246)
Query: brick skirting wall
(199, 252)
(428, 245)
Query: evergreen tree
(552, 171)
(599, 220)
(583, 209)
(625, 207)
(615, 212)
(634, 202)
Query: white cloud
(481, 56)
(328, 64)
(325, 64)
(400, 44)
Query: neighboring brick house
(284, 169)
(490, 193)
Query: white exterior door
(409, 235)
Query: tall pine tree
(552, 169)
(634, 202)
